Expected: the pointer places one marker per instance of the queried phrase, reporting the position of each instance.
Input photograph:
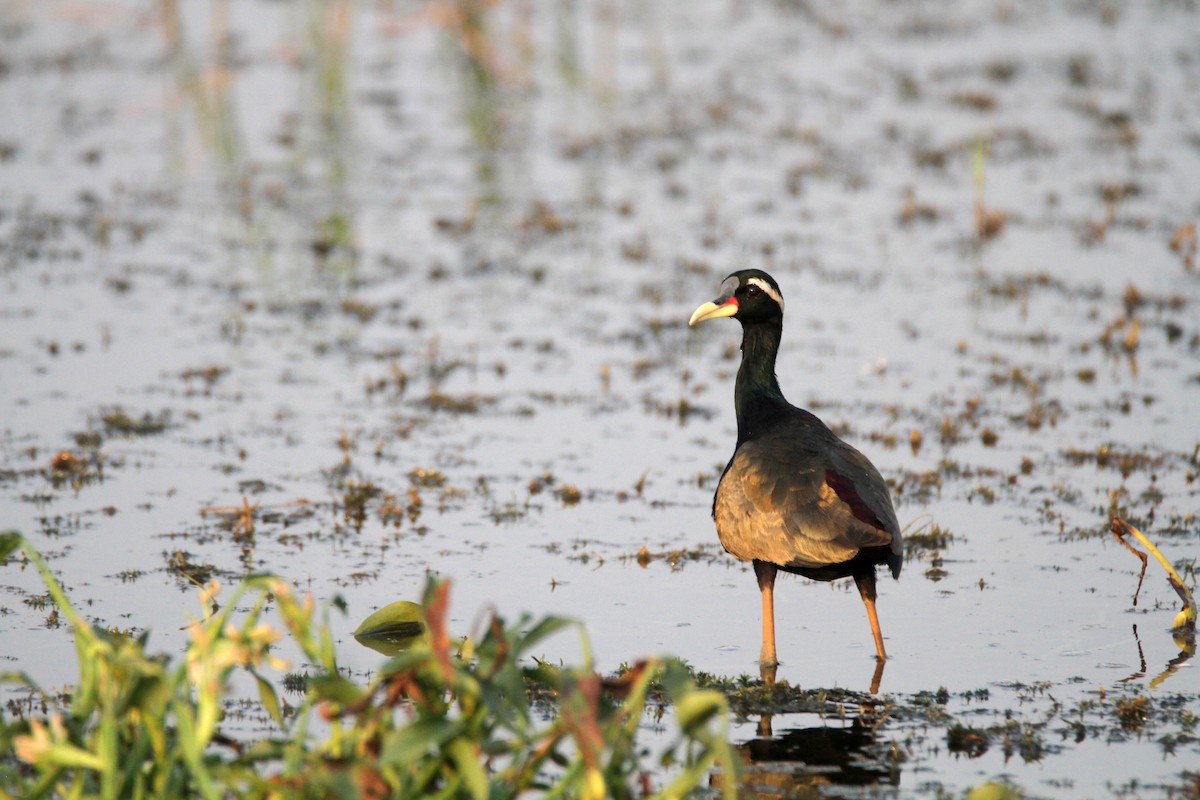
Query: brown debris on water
(460, 404)
(912, 211)
(66, 461)
(677, 559)
(989, 222)
(974, 100)
(569, 494)
(1183, 244)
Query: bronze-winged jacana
(794, 497)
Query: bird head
(749, 295)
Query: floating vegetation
(207, 376)
(681, 409)
(678, 558)
(359, 309)
(39, 601)
(427, 478)
(569, 494)
(68, 468)
(66, 462)
(179, 562)
(1132, 712)
(537, 485)
(393, 510)
(295, 683)
(460, 404)
(237, 519)
(970, 741)
(935, 572)
(508, 512)
(129, 575)
(396, 380)
(931, 539)
(1183, 244)
(355, 494)
(920, 487)
(118, 422)
(1109, 456)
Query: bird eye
(753, 291)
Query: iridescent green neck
(756, 395)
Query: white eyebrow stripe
(770, 290)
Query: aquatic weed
(437, 718)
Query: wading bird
(794, 497)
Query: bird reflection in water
(806, 762)
(768, 672)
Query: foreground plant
(439, 719)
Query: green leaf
(415, 740)
(993, 791)
(401, 615)
(547, 626)
(393, 628)
(676, 679)
(404, 661)
(695, 710)
(469, 768)
(270, 701)
(331, 686)
(9, 541)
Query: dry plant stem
(1119, 533)
(1187, 617)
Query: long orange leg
(766, 584)
(866, 587)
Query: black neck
(756, 395)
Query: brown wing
(800, 497)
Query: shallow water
(322, 263)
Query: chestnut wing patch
(847, 492)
